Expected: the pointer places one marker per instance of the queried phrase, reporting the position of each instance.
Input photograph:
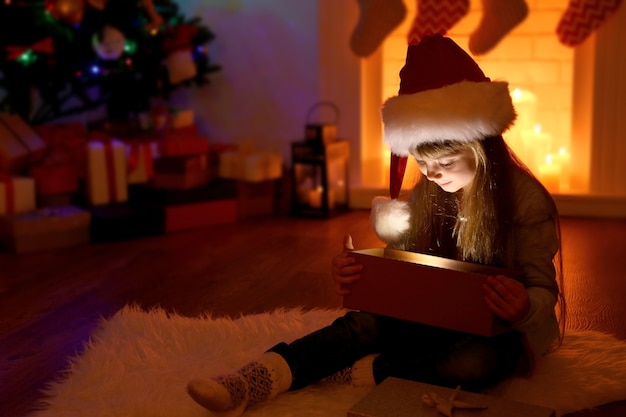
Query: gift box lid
(426, 289)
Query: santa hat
(444, 95)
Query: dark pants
(406, 350)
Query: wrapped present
(395, 397)
(184, 141)
(425, 289)
(66, 144)
(181, 118)
(252, 166)
(55, 175)
(181, 164)
(20, 145)
(122, 221)
(107, 180)
(201, 214)
(182, 181)
(17, 194)
(140, 157)
(45, 229)
(151, 195)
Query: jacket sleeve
(535, 244)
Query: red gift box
(19, 143)
(17, 194)
(45, 229)
(425, 289)
(106, 176)
(67, 144)
(201, 214)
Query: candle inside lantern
(315, 197)
(549, 174)
(537, 144)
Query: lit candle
(537, 144)
(550, 174)
(525, 107)
(315, 197)
(563, 159)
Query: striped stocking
(583, 17)
(436, 16)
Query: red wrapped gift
(106, 175)
(67, 144)
(17, 194)
(56, 175)
(201, 214)
(19, 143)
(140, 159)
(425, 289)
(45, 229)
(179, 146)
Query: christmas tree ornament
(582, 17)
(108, 43)
(377, 19)
(66, 11)
(499, 18)
(436, 16)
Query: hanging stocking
(436, 16)
(499, 18)
(583, 17)
(376, 20)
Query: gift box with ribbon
(17, 194)
(183, 141)
(45, 229)
(20, 145)
(140, 157)
(107, 180)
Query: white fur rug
(138, 362)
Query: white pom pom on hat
(443, 95)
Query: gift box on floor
(201, 214)
(121, 221)
(106, 172)
(19, 143)
(396, 397)
(17, 194)
(150, 195)
(425, 289)
(181, 172)
(45, 229)
(53, 177)
(140, 157)
(256, 199)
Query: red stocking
(436, 16)
(376, 20)
(499, 18)
(583, 17)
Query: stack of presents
(64, 184)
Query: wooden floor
(50, 302)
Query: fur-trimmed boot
(230, 395)
(361, 374)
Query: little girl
(476, 202)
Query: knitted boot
(361, 374)
(230, 395)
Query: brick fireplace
(570, 103)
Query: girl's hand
(507, 298)
(345, 270)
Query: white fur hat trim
(464, 111)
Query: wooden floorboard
(51, 302)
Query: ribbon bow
(44, 46)
(446, 405)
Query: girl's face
(451, 171)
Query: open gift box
(425, 289)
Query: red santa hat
(443, 95)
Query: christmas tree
(63, 57)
